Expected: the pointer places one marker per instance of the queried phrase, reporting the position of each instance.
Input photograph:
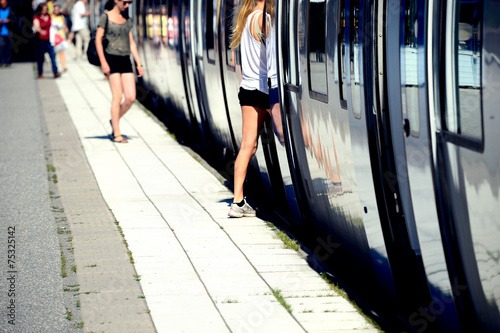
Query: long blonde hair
(242, 13)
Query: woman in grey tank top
(115, 62)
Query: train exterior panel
(384, 149)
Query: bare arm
(36, 25)
(135, 53)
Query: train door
(139, 18)
(230, 67)
(290, 92)
(316, 129)
(188, 49)
(353, 19)
(411, 127)
(210, 75)
(197, 56)
(148, 45)
(402, 167)
(467, 153)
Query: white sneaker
(245, 211)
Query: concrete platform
(194, 269)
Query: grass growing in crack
(124, 241)
(69, 314)
(130, 257)
(270, 225)
(57, 209)
(281, 300)
(79, 324)
(288, 242)
(73, 288)
(63, 265)
(229, 300)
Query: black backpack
(92, 55)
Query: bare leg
(253, 117)
(277, 124)
(121, 84)
(63, 60)
(117, 93)
(128, 84)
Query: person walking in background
(41, 24)
(253, 95)
(50, 6)
(116, 64)
(80, 27)
(7, 22)
(66, 10)
(59, 18)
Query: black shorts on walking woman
(253, 98)
(119, 64)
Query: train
(383, 151)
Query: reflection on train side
(467, 121)
(387, 144)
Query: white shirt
(253, 60)
(77, 21)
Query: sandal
(123, 140)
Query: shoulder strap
(106, 26)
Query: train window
(290, 43)
(229, 11)
(317, 50)
(210, 31)
(341, 54)
(354, 57)
(466, 118)
(411, 66)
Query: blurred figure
(80, 27)
(50, 6)
(250, 35)
(115, 62)
(35, 3)
(66, 9)
(41, 24)
(61, 20)
(7, 22)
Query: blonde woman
(57, 16)
(249, 35)
(116, 64)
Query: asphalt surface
(31, 286)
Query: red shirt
(44, 26)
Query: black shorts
(253, 98)
(119, 64)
